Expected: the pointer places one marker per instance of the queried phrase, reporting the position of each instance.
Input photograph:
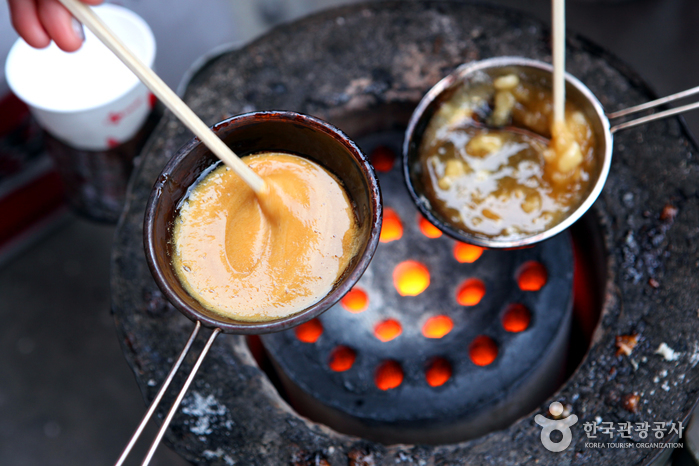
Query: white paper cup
(87, 99)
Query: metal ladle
(534, 71)
(253, 133)
(248, 133)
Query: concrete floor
(67, 396)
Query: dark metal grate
(459, 363)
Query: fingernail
(78, 29)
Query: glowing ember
(388, 375)
(383, 158)
(310, 331)
(626, 343)
(355, 301)
(411, 278)
(342, 358)
(391, 228)
(437, 327)
(532, 276)
(516, 318)
(470, 292)
(387, 330)
(438, 373)
(467, 253)
(483, 351)
(427, 228)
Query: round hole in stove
(356, 300)
(310, 331)
(382, 158)
(427, 228)
(516, 318)
(387, 330)
(389, 375)
(438, 372)
(437, 326)
(392, 227)
(532, 276)
(467, 253)
(483, 350)
(470, 292)
(342, 358)
(411, 278)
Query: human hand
(40, 21)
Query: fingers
(59, 25)
(40, 21)
(25, 20)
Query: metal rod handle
(156, 401)
(653, 117)
(654, 103)
(180, 396)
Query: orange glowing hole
(388, 375)
(467, 253)
(470, 292)
(428, 229)
(411, 278)
(388, 330)
(342, 358)
(383, 158)
(516, 318)
(391, 228)
(437, 327)
(310, 331)
(483, 351)
(355, 301)
(438, 372)
(532, 276)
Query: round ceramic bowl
(533, 71)
(248, 134)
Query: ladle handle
(653, 104)
(156, 401)
(180, 396)
(156, 85)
